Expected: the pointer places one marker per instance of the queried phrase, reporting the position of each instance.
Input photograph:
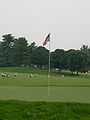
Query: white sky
(68, 21)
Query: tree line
(17, 52)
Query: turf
(20, 110)
(60, 104)
(62, 89)
(23, 70)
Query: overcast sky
(68, 21)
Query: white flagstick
(49, 76)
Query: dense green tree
(7, 49)
(86, 49)
(77, 61)
(20, 51)
(59, 59)
(40, 56)
(1, 60)
(30, 49)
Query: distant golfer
(15, 74)
(86, 73)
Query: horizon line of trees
(17, 52)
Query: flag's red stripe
(46, 40)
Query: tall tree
(40, 56)
(77, 61)
(59, 59)
(86, 49)
(7, 48)
(1, 59)
(30, 49)
(20, 51)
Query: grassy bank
(20, 110)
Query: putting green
(64, 94)
(66, 89)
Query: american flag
(47, 39)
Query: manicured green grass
(61, 94)
(63, 89)
(20, 110)
(23, 70)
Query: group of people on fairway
(5, 75)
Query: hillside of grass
(20, 110)
(23, 70)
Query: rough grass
(20, 110)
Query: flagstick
(49, 73)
